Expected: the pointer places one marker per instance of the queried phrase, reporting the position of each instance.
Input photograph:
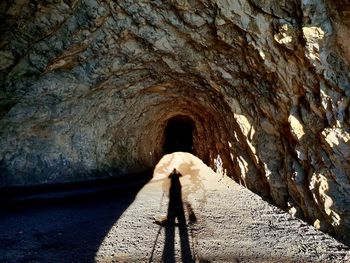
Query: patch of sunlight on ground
(197, 180)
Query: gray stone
(87, 89)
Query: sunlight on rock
(296, 127)
(313, 37)
(285, 35)
(322, 196)
(244, 124)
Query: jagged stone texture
(87, 87)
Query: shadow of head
(175, 174)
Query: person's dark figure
(176, 211)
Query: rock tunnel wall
(87, 88)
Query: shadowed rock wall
(87, 88)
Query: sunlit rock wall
(87, 87)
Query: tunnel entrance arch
(178, 135)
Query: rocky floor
(224, 223)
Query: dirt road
(197, 216)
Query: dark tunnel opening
(179, 135)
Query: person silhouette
(175, 208)
(176, 211)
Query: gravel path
(224, 223)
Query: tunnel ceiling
(88, 86)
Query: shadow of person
(176, 211)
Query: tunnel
(178, 135)
(259, 91)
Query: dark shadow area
(176, 211)
(17, 196)
(67, 229)
(179, 135)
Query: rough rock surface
(87, 88)
(122, 227)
